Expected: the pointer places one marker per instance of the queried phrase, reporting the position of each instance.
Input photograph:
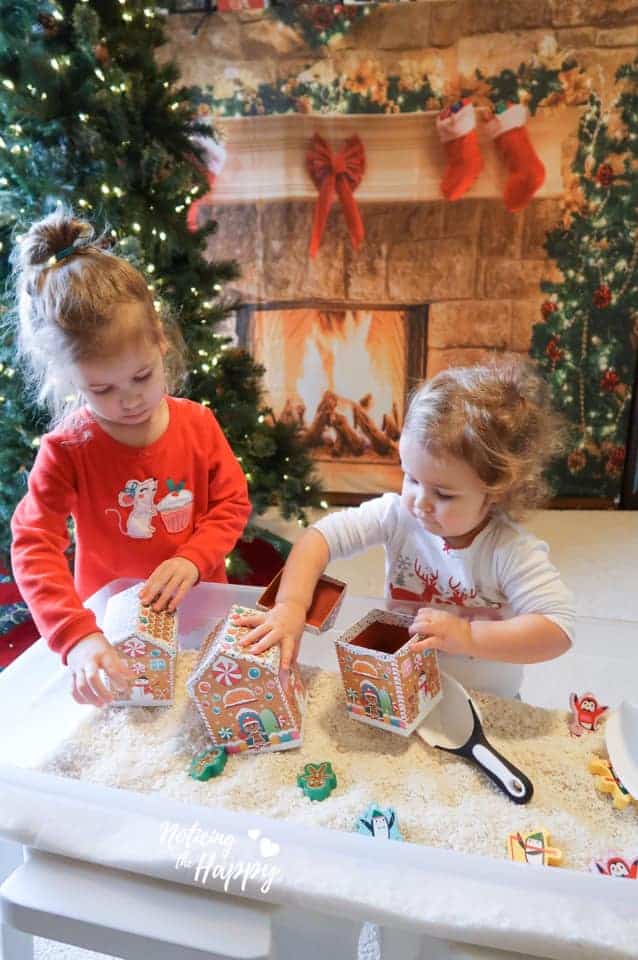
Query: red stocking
(456, 127)
(527, 173)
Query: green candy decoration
(318, 780)
(209, 763)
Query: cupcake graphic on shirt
(176, 508)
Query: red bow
(341, 174)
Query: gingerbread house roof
(223, 641)
(126, 616)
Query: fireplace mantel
(404, 158)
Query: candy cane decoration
(133, 647)
(226, 671)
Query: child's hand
(169, 583)
(86, 659)
(284, 625)
(442, 631)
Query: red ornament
(323, 17)
(615, 461)
(605, 175)
(610, 380)
(602, 297)
(553, 351)
(101, 52)
(547, 308)
(576, 461)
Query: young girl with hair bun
(483, 592)
(150, 481)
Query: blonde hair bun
(68, 284)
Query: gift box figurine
(147, 641)
(326, 601)
(240, 696)
(387, 684)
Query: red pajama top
(184, 495)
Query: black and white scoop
(455, 726)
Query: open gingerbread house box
(240, 695)
(387, 684)
(326, 601)
(147, 641)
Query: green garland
(317, 89)
(318, 22)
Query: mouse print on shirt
(175, 509)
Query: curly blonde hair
(496, 417)
(65, 308)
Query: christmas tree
(88, 117)
(586, 342)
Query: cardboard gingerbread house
(240, 696)
(147, 641)
(325, 605)
(387, 684)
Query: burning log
(293, 414)
(381, 442)
(323, 417)
(390, 423)
(349, 440)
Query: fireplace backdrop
(557, 279)
(343, 373)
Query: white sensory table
(87, 866)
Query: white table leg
(398, 944)
(14, 945)
(313, 936)
(11, 856)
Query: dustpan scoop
(455, 726)
(621, 739)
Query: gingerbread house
(147, 641)
(387, 684)
(324, 608)
(240, 696)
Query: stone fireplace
(345, 335)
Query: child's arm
(284, 624)
(529, 638)
(543, 622)
(39, 540)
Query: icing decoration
(586, 714)
(318, 780)
(133, 647)
(533, 848)
(608, 782)
(615, 866)
(209, 763)
(226, 671)
(379, 822)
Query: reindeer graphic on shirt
(435, 593)
(430, 587)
